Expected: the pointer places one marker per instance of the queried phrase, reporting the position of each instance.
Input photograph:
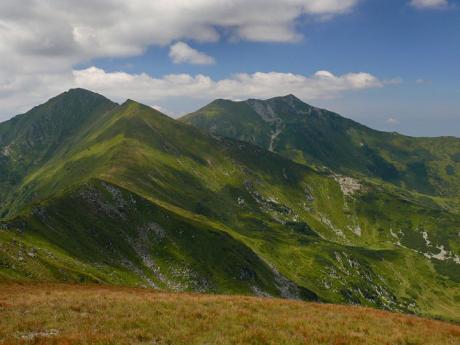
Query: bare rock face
(6, 150)
(263, 109)
(348, 185)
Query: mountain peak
(67, 101)
(290, 97)
(79, 93)
(134, 108)
(128, 102)
(279, 107)
(50, 122)
(291, 100)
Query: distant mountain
(123, 194)
(314, 136)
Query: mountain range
(314, 136)
(268, 198)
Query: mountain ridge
(314, 136)
(29, 140)
(139, 198)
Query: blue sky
(394, 65)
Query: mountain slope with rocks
(130, 196)
(313, 136)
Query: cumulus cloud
(181, 52)
(429, 3)
(36, 88)
(42, 41)
(89, 29)
(322, 84)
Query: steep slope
(99, 232)
(29, 140)
(139, 198)
(318, 137)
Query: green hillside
(29, 140)
(314, 136)
(130, 196)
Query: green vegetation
(313, 136)
(126, 195)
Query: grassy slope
(102, 233)
(319, 137)
(81, 314)
(231, 195)
(30, 140)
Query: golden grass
(93, 314)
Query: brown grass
(82, 314)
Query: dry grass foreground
(82, 314)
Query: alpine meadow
(259, 218)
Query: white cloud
(150, 90)
(42, 41)
(25, 92)
(181, 52)
(68, 32)
(429, 3)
